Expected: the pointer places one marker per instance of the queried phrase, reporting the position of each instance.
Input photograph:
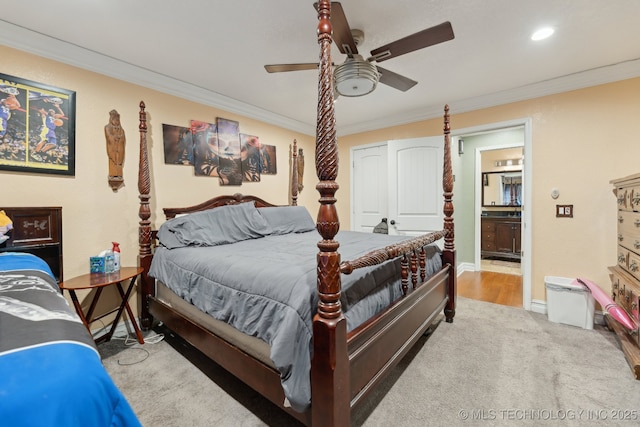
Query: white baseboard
(539, 306)
(465, 266)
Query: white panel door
(415, 185)
(369, 187)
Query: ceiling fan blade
(280, 68)
(395, 80)
(425, 38)
(341, 31)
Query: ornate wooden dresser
(625, 276)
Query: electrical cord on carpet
(145, 356)
(130, 342)
(133, 344)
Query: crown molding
(39, 44)
(42, 45)
(594, 77)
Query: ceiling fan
(357, 76)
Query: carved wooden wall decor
(116, 140)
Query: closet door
(415, 185)
(369, 187)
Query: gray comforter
(266, 287)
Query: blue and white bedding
(50, 370)
(265, 285)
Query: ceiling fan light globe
(355, 77)
(355, 87)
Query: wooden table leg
(92, 306)
(125, 301)
(78, 308)
(109, 335)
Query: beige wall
(94, 215)
(581, 140)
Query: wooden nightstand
(38, 231)
(99, 281)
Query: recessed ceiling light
(542, 34)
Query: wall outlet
(564, 211)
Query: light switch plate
(564, 211)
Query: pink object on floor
(608, 304)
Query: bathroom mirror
(502, 188)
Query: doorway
(468, 192)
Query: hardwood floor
(489, 286)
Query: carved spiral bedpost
(144, 229)
(449, 253)
(294, 174)
(330, 366)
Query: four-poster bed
(345, 357)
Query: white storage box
(569, 303)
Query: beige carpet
(494, 365)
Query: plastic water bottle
(108, 262)
(116, 256)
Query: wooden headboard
(217, 201)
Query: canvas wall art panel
(205, 148)
(268, 164)
(178, 145)
(250, 155)
(230, 169)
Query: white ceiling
(214, 52)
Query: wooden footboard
(377, 346)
